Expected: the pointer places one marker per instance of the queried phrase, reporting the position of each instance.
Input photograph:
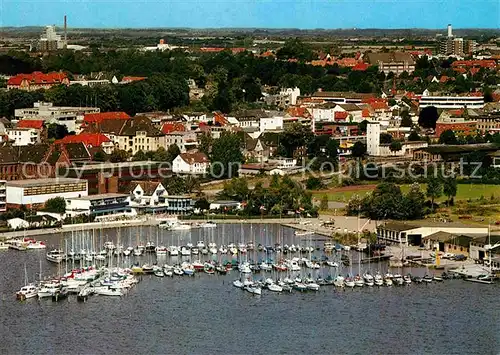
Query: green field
(465, 191)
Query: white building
(185, 140)
(283, 163)
(271, 123)
(104, 206)
(373, 138)
(289, 96)
(35, 192)
(148, 193)
(451, 102)
(191, 163)
(17, 223)
(23, 136)
(3, 196)
(161, 47)
(325, 113)
(71, 117)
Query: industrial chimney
(450, 34)
(65, 31)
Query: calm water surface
(207, 315)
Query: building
(91, 118)
(91, 140)
(448, 242)
(148, 194)
(407, 234)
(50, 40)
(161, 47)
(456, 122)
(24, 136)
(191, 163)
(395, 62)
(105, 206)
(268, 169)
(488, 123)
(449, 153)
(3, 196)
(185, 140)
(37, 81)
(451, 45)
(71, 117)
(179, 204)
(132, 135)
(90, 82)
(341, 97)
(34, 193)
(225, 205)
(274, 123)
(452, 102)
(373, 138)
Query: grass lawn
(464, 192)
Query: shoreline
(348, 224)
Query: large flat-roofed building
(34, 193)
(341, 97)
(71, 117)
(100, 206)
(396, 62)
(452, 102)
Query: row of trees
(282, 196)
(387, 201)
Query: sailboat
(28, 290)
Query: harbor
(132, 292)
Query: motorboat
(387, 281)
(48, 288)
(108, 291)
(185, 251)
(398, 279)
(245, 268)
(60, 295)
(208, 224)
(437, 278)
(209, 269)
(84, 294)
(195, 251)
(378, 280)
(339, 281)
(274, 287)
(147, 269)
(17, 244)
(55, 256)
(26, 292)
(238, 283)
(200, 244)
(427, 279)
(173, 250)
(158, 272)
(161, 250)
(265, 266)
(221, 269)
(313, 286)
(359, 281)
(36, 245)
(178, 271)
(180, 227)
(254, 289)
(407, 279)
(299, 286)
(188, 269)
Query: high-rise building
(451, 45)
(50, 40)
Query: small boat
(161, 250)
(188, 269)
(274, 287)
(136, 269)
(158, 272)
(313, 286)
(208, 224)
(238, 283)
(55, 256)
(108, 291)
(221, 269)
(265, 266)
(168, 273)
(427, 278)
(173, 250)
(437, 278)
(254, 289)
(147, 269)
(185, 251)
(36, 245)
(388, 281)
(398, 279)
(178, 271)
(299, 286)
(407, 279)
(209, 269)
(26, 292)
(18, 245)
(60, 294)
(4, 246)
(339, 281)
(84, 294)
(332, 263)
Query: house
(37, 81)
(131, 79)
(267, 169)
(185, 140)
(255, 149)
(225, 205)
(456, 121)
(24, 136)
(354, 111)
(191, 163)
(17, 223)
(102, 207)
(147, 193)
(91, 140)
(100, 116)
(274, 123)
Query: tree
(191, 184)
(395, 146)
(118, 156)
(99, 156)
(358, 149)
(140, 156)
(428, 117)
(295, 136)
(434, 189)
(56, 131)
(385, 138)
(175, 185)
(413, 202)
(324, 203)
(202, 204)
(172, 152)
(406, 120)
(205, 143)
(362, 126)
(414, 137)
(448, 137)
(56, 205)
(226, 155)
(314, 183)
(450, 189)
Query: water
(207, 315)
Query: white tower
(450, 32)
(373, 138)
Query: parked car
(448, 256)
(459, 257)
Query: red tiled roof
(38, 78)
(366, 113)
(211, 49)
(173, 127)
(341, 115)
(37, 124)
(133, 78)
(379, 105)
(485, 63)
(238, 50)
(298, 111)
(99, 117)
(361, 66)
(268, 54)
(89, 139)
(192, 158)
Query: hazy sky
(253, 13)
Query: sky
(303, 14)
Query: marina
(257, 271)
